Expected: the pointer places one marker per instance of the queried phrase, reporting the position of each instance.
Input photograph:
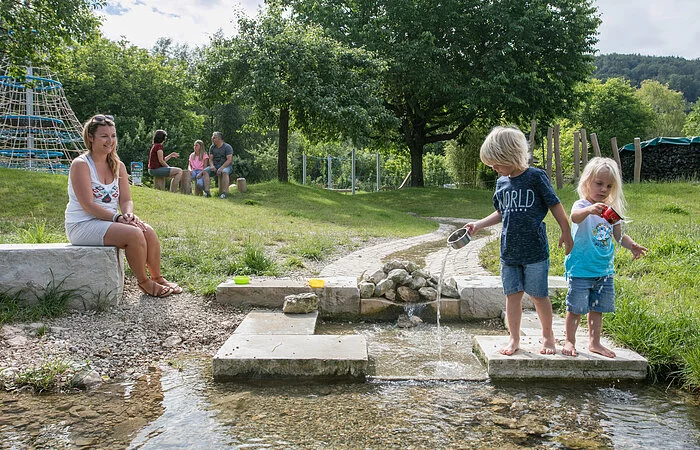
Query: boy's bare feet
(510, 348)
(569, 349)
(601, 350)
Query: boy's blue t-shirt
(524, 202)
(593, 254)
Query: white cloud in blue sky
(648, 27)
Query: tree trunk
(283, 147)
(415, 140)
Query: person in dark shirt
(522, 199)
(220, 160)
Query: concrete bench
(95, 274)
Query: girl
(158, 164)
(98, 187)
(589, 267)
(522, 199)
(198, 161)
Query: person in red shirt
(158, 163)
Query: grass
(276, 228)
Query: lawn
(277, 229)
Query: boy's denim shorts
(591, 294)
(531, 278)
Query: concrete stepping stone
(275, 322)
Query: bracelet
(116, 217)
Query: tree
(31, 30)
(295, 77)
(668, 106)
(612, 109)
(465, 60)
(692, 122)
(142, 91)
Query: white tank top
(105, 195)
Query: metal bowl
(459, 238)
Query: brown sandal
(155, 289)
(174, 286)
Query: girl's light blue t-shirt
(594, 248)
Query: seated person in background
(220, 160)
(158, 164)
(198, 161)
(98, 187)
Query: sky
(647, 27)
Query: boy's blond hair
(505, 146)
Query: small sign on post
(136, 173)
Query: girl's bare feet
(510, 348)
(569, 349)
(548, 347)
(601, 350)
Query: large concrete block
(263, 293)
(276, 322)
(339, 298)
(291, 356)
(95, 274)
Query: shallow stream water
(410, 400)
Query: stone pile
(405, 282)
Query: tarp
(664, 140)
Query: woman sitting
(98, 188)
(158, 163)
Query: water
(173, 408)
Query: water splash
(439, 294)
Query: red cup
(611, 215)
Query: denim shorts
(591, 294)
(160, 172)
(227, 169)
(193, 176)
(531, 278)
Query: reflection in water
(185, 409)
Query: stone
(392, 265)
(398, 276)
(421, 273)
(300, 303)
(390, 294)
(411, 267)
(406, 321)
(382, 287)
(366, 289)
(86, 378)
(407, 294)
(172, 341)
(448, 291)
(416, 283)
(377, 276)
(428, 294)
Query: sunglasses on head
(102, 117)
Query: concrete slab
(339, 298)
(291, 356)
(266, 293)
(529, 363)
(277, 322)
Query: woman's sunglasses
(102, 117)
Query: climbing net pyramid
(38, 129)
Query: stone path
(464, 261)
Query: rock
(8, 331)
(405, 321)
(398, 276)
(86, 379)
(407, 294)
(172, 341)
(393, 265)
(300, 303)
(366, 289)
(382, 287)
(421, 273)
(416, 283)
(17, 341)
(390, 294)
(411, 267)
(428, 294)
(377, 276)
(449, 291)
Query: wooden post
(159, 183)
(557, 157)
(185, 182)
(531, 141)
(616, 153)
(584, 147)
(594, 143)
(577, 155)
(549, 152)
(637, 160)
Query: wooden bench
(95, 274)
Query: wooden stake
(616, 153)
(594, 143)
(637, 160)
(557, 157)
(549, 152)
(584, 147)
(577, 155)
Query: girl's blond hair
(202, 152)
(616, 198)
(89, 129)
(505, 146)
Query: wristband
(116, 217)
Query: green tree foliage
(465, 60)
(295, 77)
(668, 106)
(692, 122)
(680, 74)
(462, 155)
(30, 31)
(613, 109)
(144, 93)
